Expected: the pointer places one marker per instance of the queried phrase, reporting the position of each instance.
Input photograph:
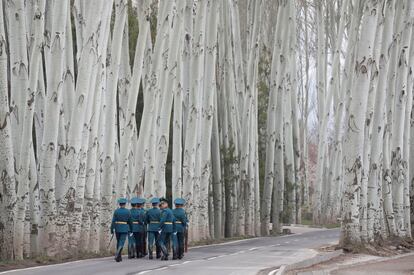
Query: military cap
(141, 201)
(179, 201)
(155, 200)
(134, 200)
(163, 200)
(122, 201)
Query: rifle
(186, 240)
(112, 236)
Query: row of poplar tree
(212, 101)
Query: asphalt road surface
(239, 257)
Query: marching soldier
(131, 240)
(138, 225)
(121, 225)
(166, 230)
(153, 222)
(181, 223)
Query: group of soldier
(157, 226)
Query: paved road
(241, 257)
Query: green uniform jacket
(181, 220)
(138, 220)
(121, 221)
(153, 219)
(167, 220)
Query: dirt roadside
(356, 264)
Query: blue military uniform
(181, 223)
(153, 217)
(167, 231)
(131, 246)
(138, 223)
(121, 226)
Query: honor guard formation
(157, 226)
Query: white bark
(49, 148)
(398, 162)
(354, 136)
(407, 136)
(190, 175)
(7, 179)
(127, 132)
(207, 112)
(158, 74)
(109, 141)
(375, 166)
(274, 138)
(169, 85)
(26, 146)
(19, 67)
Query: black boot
(118, 258)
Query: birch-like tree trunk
(274, 139)
(48, 157)
(109, 141)
(26, 146)
(190, 181)
(7, 179)
(407, 133)
(398, 162)
(354, 135)
(375, 166)
(19, 66)
(158, 74)
(207, 112)
(128, 131)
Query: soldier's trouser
(139, 243)
(180, 244)
(131, 247)
(145, 242)
(165, 239)
(174, 241)
(120, 242)
(153, 237)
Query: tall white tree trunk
(26, 146)
(128, 131)
(398, 162)
(190, 176)
(8, 192)
(207, 112)
(354, 135)
(407, 136)
(274, 139)
(108, 175)
(158, 72)
(48, 156)
(376, 156)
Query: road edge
(320, 258)
(363, 262)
